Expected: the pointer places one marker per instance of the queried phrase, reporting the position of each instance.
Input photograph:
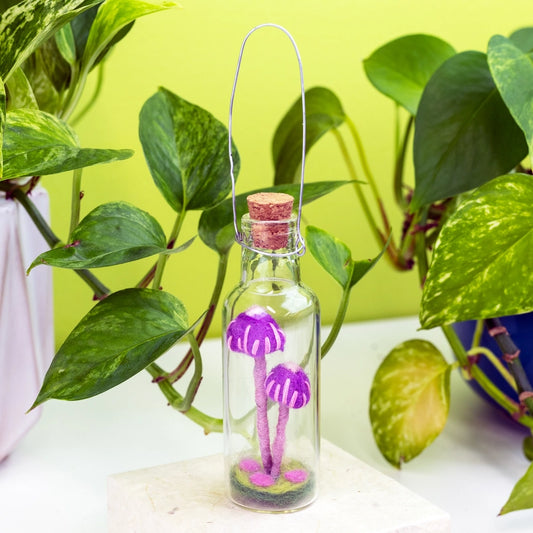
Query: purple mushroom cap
(255, 333)
(288, 384)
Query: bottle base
(250, 487)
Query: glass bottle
(271, 367)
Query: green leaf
(336, 258)
(522, 494)
(409, 400)
(118, 337)
(186, 149)
(401, 68)
(20, 91)
(29, 23)
(112, 17)
(111, 234)
(37, 143)
(65, 43)
(323, 113)
(464, 134)
(523, 39)
(215, 227)
(512, 71)
(481, 266)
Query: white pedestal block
(190, 497)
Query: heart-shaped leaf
(215, 227)
(523, 39)
(27, 24)
(37, 143)
(112, 17)
(481, 267)
(186, 149)
(336, 258)
(464, 133)
(323, 113)
(119, 337)
(111, 234)
(522, 494)
(401, 68)
(409, 400)
(512, 70)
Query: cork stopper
(267, 209)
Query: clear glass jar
(271, 375)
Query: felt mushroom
(287, 384)
(257, 334)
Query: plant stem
(337, 324)
(495, 362)
(75, 202)
(100, 290)
(484, 382)
(163, 258)
(476, 339)
(357, 187)
(180, 370)
(399, 166)
(94, 97)
(209, 423)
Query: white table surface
(55, 481)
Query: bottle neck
(258, 264)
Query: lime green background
(193, 51)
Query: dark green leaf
(119, 337)
(522, 494)
(64, 40)
(464, 134)
(20, 91)
(28, 24)
(216, 225)
(112, 18)
(336, 258)
(2, 124)
(481, 267)
(186, 149)
(401, 68)
(37, 143)
(409, 400)
(512, 71)
(523, 39)
(111, 234)
(323, 112)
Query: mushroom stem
(279, 442)
(263, 432)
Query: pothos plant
(48, 49)
(467, 222)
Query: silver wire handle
(300, 244)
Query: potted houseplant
(185, 148)
(467, 222)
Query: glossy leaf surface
(522, 494)
(111, 234)
(29, 23)
(112, 17)
(464, 133)
(216, 225)
(336, 258)
(401, 68)
(409, 400)
(512, 70)
(323, 113)
(66, 44)
(186, 149)
(118, 338)
(481, 266)
(36, 143)
(20, 91)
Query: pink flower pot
(26, 319)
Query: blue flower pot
(520, 328)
